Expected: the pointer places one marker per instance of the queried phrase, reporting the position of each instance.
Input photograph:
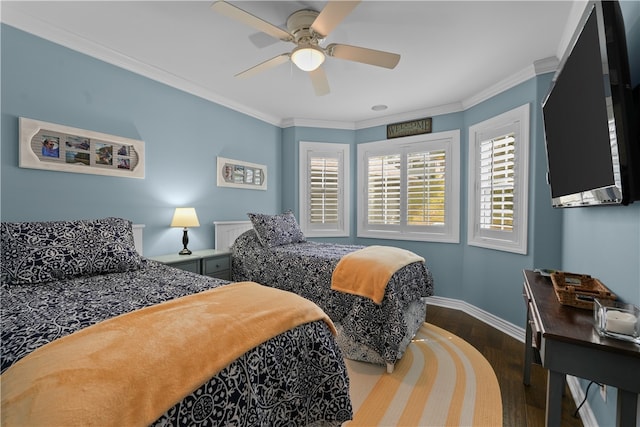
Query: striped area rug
(441, 381)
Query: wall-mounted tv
(591, 118)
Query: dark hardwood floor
(522, 406)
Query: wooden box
(579, 290)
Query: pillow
(39, 252)
(276, 230)
(116, 251)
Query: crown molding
(546, 65)
(411, 115)
(499, 87)
(575, 14)
(381, 121)
(330, 124)
(540, 66)
(68, 39)
(15, 18)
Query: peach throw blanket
(367, 271)
(130, 369)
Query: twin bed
(272, 250)
(92, 332)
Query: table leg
(555, 387)
(528, 355)
(627, 408)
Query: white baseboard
(518, 333)
(586, 414)
(488, 318)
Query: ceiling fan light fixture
(307, 58)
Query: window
(498, 181)
(409, 188)
(324, 189)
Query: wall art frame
(239, 174)
(55, 147)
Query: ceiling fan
(307, 29)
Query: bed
(80, 305)
(273, 251)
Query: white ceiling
(452, 52)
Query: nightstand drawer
(209, 262)
(189, 265)
(216, 265)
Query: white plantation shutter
(383, 187)
(324, 189)
(426, 188)
(324, 185)
(410, 187)
(498, 181)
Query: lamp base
(185, 242)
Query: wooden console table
(567, 344)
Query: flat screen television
(591, 118)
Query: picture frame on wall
(240, 174)
(55, 147)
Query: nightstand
(208, 262)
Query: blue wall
(290, 159)
(605, 241)
(183, 134)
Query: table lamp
(185, 217)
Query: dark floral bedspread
(297, 378)
(306, 269)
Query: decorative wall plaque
(411, 127)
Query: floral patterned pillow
(276, 230)
(39, 252)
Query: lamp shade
(307, 58)
(185, 217)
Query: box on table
(579, 290)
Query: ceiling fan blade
(319, 81)
(364, 55)
(231, 11)
(332, 15)
(263, 66)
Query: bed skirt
(414, 317)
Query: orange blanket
(130, 369)
(367, 271)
